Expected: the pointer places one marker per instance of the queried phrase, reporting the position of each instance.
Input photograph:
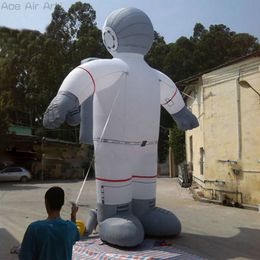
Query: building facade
(224, 151)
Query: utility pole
(172, 170)
(42, 162)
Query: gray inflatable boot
(156, 221)
(91, 222)
(118, 226)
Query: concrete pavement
(208, 230)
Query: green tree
(14, 69)
(243, 44)
(177, 142)
(58, 29)
(155, 57)
(33, 65)
(87, 38)
(219, 44)
(179, 63)
(198, 32)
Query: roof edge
(230, 62)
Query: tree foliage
(34, 64)
(155, 57)
(206, 49)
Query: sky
(171, 18)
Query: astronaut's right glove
(65, 106)
(185, 120)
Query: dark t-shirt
(49, 240)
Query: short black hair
(54, 198)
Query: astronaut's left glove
(64, 107)
(185, 120)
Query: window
(13, 169)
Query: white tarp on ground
(94, 248)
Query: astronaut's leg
(91, 223)
(117, 224)
(156, 221)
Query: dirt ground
(208, 230)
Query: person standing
(52, 238)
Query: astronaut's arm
(76, 87)
(73, 118)
(172, 101)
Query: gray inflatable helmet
(128, 30)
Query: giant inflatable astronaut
(127, 95)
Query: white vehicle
(14, 173)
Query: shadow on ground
(245, 244)
(6, 240)
(18, 186)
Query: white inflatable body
(129, 103)
(126, 114)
